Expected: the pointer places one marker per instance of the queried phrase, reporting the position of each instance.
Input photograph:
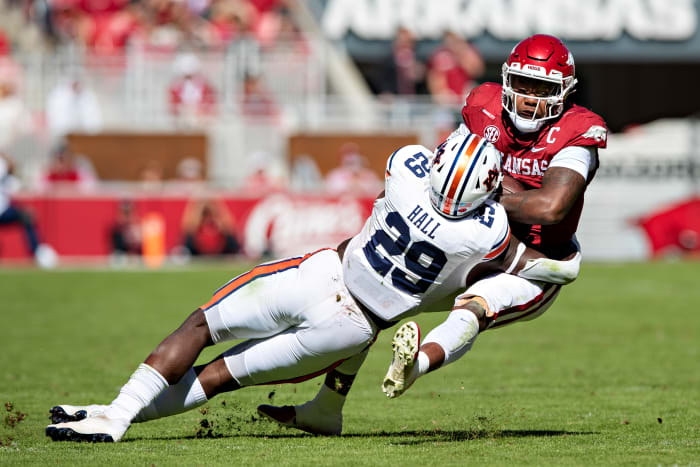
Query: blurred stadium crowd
(86, 66)
(201, 124)
(107, 26)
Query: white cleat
(73, 413)
(96, 428)
(401, 374)
(304, 417)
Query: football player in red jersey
(550, 148)
(549, 144)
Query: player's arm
(563, 183)
(561, 187)
(528, 263)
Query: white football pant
(298, 315)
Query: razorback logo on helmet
(491, 178)
(597, 133)
(439, 152)
(492, 133)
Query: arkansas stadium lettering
(606, 20)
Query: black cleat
(67, 434)
(58, 414)
(95, 428)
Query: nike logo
(538, 149)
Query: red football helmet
(544, 61)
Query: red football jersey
(527, 156)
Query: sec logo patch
(491, 133)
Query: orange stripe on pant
(256, 272)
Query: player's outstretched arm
(549, 204)
(524, 261)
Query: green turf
(609, 376)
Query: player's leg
(328, 327)
(491, 302)
(195, 388)
(338, 331)
(201, 383)
(242, 308)
(333, 338)
(323, 415)
(410, 359)
(166, 365)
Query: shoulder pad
(414, 158)
(587, 128)
(483, 94)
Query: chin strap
(524, 125)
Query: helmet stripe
(461, 165)
(459, 178)
(454, 163)
(475, 159)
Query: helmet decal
(491, 178)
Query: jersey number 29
(399, 245)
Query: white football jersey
(407, 255)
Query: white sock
(328, 400)
(181, 397)
(144, 385)
(420, 368)
(423, 364)
(455, 335)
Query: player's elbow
(553, 213)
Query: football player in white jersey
(305, 316)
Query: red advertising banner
(280, 224)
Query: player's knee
(215, 377)
(478, 306)
(196, 325)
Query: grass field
(609, 376)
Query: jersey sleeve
(589, 130)
(500, 237)
(578, 158)
(476, 102)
